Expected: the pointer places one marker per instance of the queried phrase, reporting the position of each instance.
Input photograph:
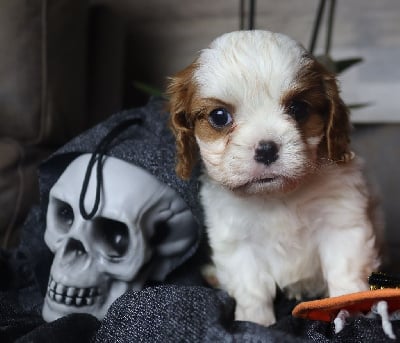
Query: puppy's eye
(219, 118)
(299, 110)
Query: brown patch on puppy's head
(318, 88)
(338, 124)
(181, 91)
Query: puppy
(285, 201)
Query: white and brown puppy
(285, 201)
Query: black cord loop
(98, 156)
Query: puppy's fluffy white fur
(285, 201)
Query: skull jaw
(53, 310)
(59, 305)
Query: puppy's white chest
(270, 233)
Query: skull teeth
(71, 296)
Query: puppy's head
(259, 110)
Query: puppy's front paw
(260, 314)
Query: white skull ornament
(97, 260)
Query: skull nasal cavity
(76, 246)
(266, 152)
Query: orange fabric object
(328, 308)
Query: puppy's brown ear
(337, 130)
(181, 89)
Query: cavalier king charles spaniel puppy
(285, 201)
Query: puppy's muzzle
(266, 152)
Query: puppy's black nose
(266, 152)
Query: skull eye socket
(64, 213)
(113, 236)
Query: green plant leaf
(337, 66)
(357, 106)
(342, 65)
(145, 88)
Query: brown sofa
(53, 85)
(42, 95)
